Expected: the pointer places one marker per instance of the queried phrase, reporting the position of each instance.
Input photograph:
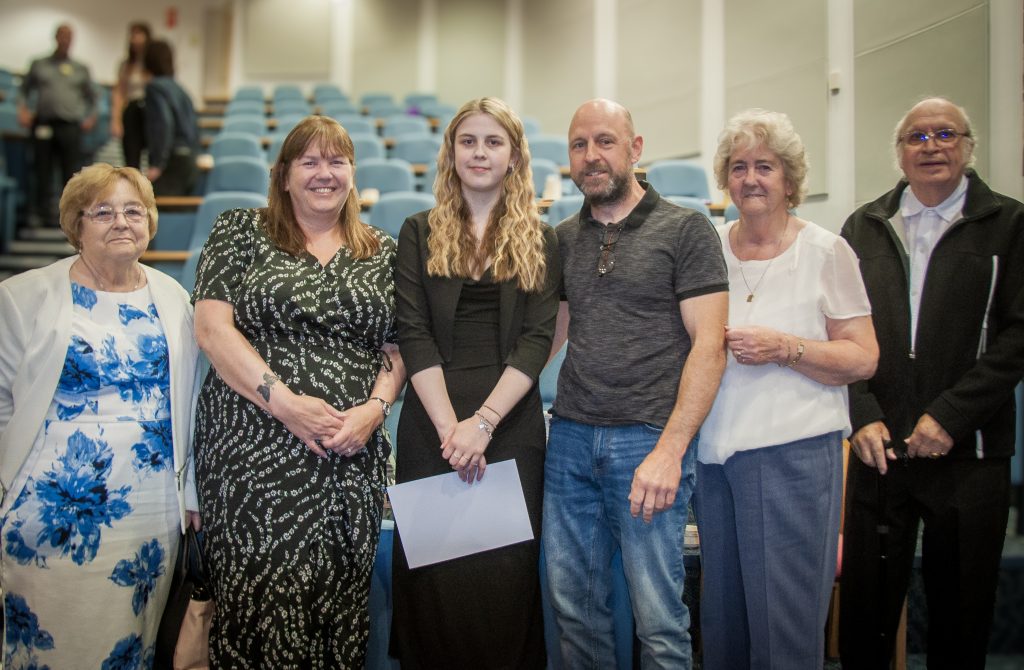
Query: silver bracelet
(485, 426)
(385, 406)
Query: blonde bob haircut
(514, 238)
(93, 183)
(772, 130)
(331, 139)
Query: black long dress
(483, 610)
(290, 537)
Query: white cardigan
(35, 331)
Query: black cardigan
(426, 308)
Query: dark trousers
(178, 177)
(63, 145)
(133, 121)
(964, 505)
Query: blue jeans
(587, 479)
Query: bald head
(63, 37)
(607, 112)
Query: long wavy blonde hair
(331, 139)
(514, 238)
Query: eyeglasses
(946, 137)
(106, 215)
(606, 261)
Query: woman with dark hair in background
(172, 130)
(127, 119)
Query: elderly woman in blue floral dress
(97, 385)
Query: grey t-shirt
(627, 343)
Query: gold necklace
(743, 275)
(95, 275)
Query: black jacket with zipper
(969, 350)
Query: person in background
(172, 130)
(770, 457)
(127, 120)
(477, 294)
(644, 306)
(57, 104)
(295, 310)
(97, 389)
(942, 257)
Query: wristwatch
(385, 406)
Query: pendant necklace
(778, 245)
(88, 266)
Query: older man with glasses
(645, 286)
(942, 257)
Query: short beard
(615, 191)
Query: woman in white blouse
(769, 478)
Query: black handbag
(183, 640)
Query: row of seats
(415, 142)
(240, 164)
(321, 91)
(329, 100)
(377, 104)
(252, 117)
(415, 149)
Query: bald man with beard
(644, 305)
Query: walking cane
(882, 528)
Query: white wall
(101, 34)
(558, 61)
(471, 50)
(386, 47)
(776, 57)
(293, 28)
(904, 52)
(659, 73)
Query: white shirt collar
(948, 209)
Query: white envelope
(443, 517)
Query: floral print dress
(87, 544)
